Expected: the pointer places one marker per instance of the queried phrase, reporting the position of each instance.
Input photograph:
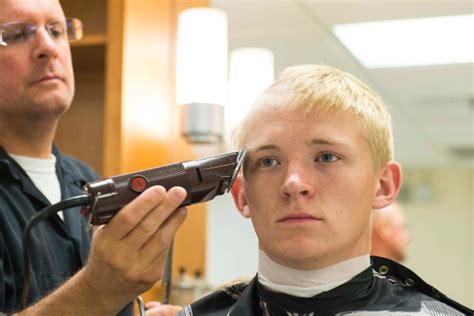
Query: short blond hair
(327, 89)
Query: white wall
(441, 250)
(232, 249)
(441, 224)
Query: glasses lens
(57, 29)
(74, 29)
(15, 33)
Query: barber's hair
(310, 88)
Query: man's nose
(297, 182)
(45, 47)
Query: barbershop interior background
(126, 117)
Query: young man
(126, 256)
(390, 236)
(319, 162)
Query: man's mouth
(48, 78)
(299, 217)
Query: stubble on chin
(50, 109)
(37, 110)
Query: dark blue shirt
(58, 249)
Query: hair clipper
(203, 179)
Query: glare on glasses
(15, 33)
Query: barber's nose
(44, 46)
(297, 182)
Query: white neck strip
(307, 283)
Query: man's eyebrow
(327, 141)
(264, 147)
(314, 141)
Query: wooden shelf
(90, 40)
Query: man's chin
(52, 103)
(46, 115)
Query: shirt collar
(9, 168)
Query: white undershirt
(42, 173)
(307, 283)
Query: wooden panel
(113, 84)
(130, 121)
(146, 127)
(92, 13)
(150, 127)
(80, 131)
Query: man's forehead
(271, 129)
(29, 10)
(276, 96)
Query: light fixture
(410, 42)
(201, 87)
(251, 72)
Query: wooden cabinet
(80, 132)
(124, 117)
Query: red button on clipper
(138, 184)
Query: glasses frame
(74, 30)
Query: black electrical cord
(167, 275)
(51, 210)
(79, 200)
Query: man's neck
(307, 283)
(31, 140)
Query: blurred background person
(390, 236)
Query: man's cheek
(13, 72)
(9, 88)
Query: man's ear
(239, 196)
(388, 186)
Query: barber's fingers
(157, 246)
(146, 265)
(152, 223)
(162, 310)
(133, 213)
(152, 304)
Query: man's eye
(56, 30)
(14, 35)
(267, 162)
(327, 157)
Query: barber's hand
(128, 254)
(158, 309)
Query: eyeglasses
(16, 33)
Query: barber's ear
(389, 183)
(240, 198)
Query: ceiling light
(411, 42)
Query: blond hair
(327, 89)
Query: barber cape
(386, 288)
